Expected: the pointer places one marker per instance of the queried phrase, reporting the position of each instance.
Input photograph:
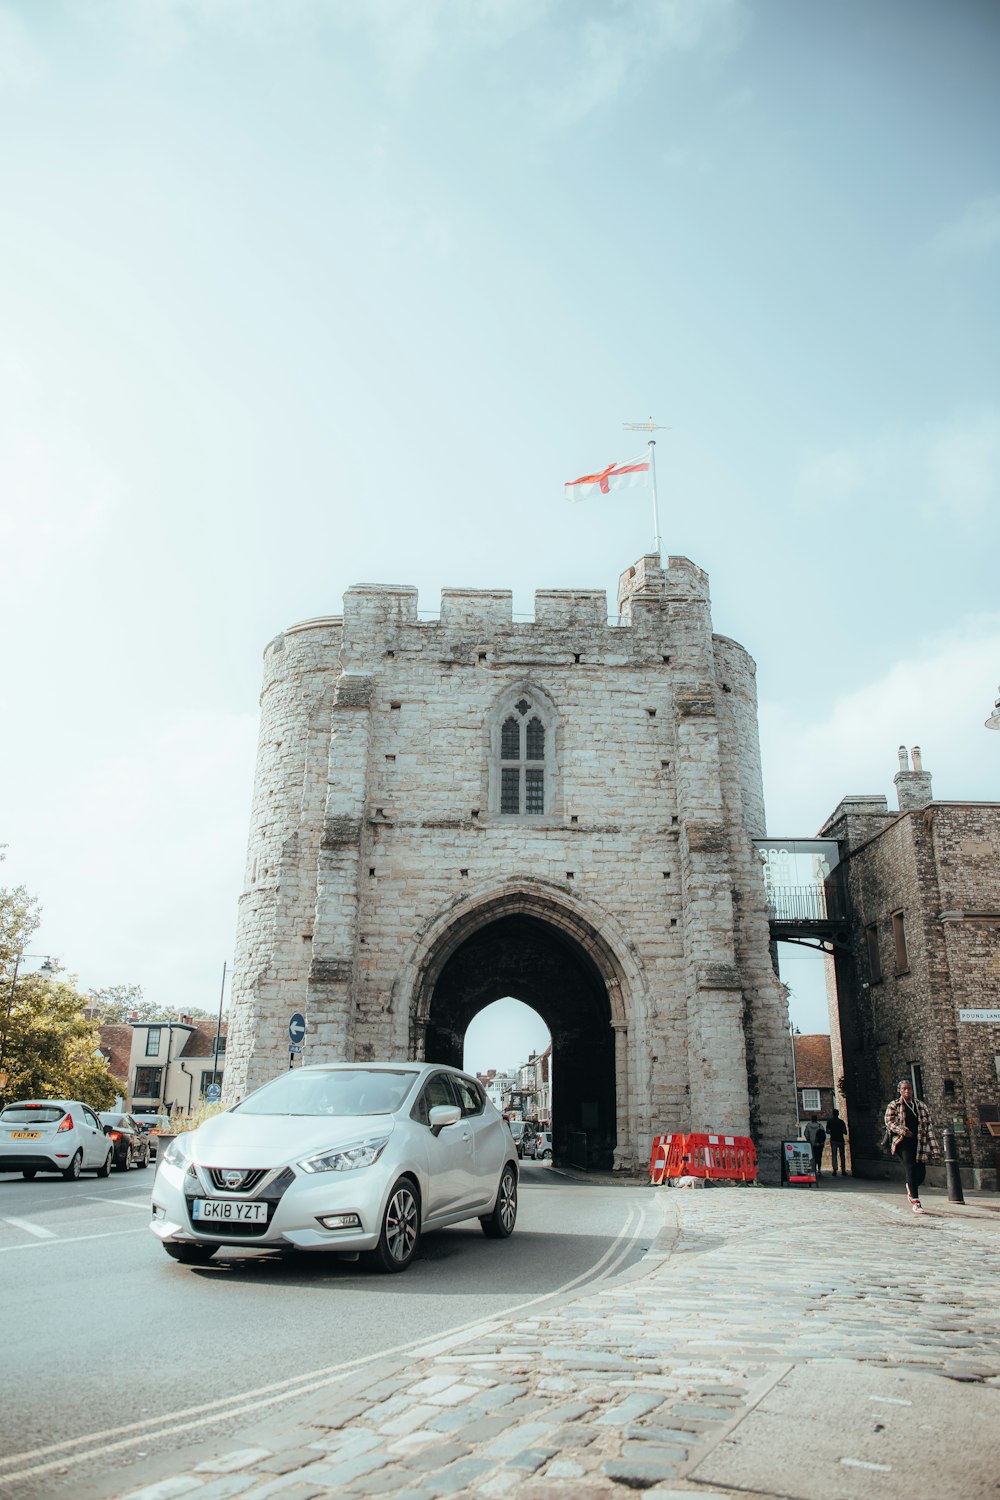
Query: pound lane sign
(296, 1028)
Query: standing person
(814, 1133)
(836, 1132)
(911, 1134)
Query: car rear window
(109, 1119)
(351, 1091)
(34, 1114)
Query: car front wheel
(191, 1255)
(500, 1223)
(72, 1172)
(400, 1238)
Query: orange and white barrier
(718, 1158)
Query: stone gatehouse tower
(449, 811)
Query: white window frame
(810, 1100)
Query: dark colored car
(152, 1127)
(130, 1141)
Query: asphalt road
(112, 1351)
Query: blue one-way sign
(297, 1027)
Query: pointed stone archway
(530, 940)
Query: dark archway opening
(546, 968)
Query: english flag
(614, 477)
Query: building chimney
(913, 788)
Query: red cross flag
(615, 477)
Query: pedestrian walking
(836, 1134)
(911, 1134)
(814, 1133)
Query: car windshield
(347, 1091)
(23, 1114)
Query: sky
(296, 296)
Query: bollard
(955, 1194)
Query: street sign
(990, 1017)
(213, 1094)
(297, 1027)
(294, 1049)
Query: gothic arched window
(521, 782)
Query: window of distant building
(899, 940)
(522, 754)
(810, 1099)
(874, 956)
(153, 1041)
(147, 1083)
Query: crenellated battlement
(647, 593)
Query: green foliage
(51, 1051)
(47, 1049)
(124, 1002)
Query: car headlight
(346, 1158)
(179, 1150)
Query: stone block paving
(637, 1382)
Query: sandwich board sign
(797, 1164)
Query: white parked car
(53, 1135)
(346, 1157)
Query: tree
(52, 1051)
(124, 1002)
(47, 1047)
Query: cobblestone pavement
(773, 1342)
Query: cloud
(609, 55)
(946, 468)
(938, 698)
(976, 231)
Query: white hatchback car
(345, 1157)
(53, 1135)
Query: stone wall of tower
(376, 814)
(277, 907)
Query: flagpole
(656, 513)
(650, 426)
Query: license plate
(229, 1209)
(25, 1135)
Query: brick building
(450, 810)
(814, 1075)
(919, 978)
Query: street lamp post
(48, 968)
(793, 1032)
(993, 722)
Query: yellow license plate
(25, 1135)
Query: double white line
(73, 1451)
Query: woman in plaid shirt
(911, 1133)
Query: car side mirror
(442, 1115)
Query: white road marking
(861, 1463)
(71, 1239)
(228, 1407)
(891, 1400)
(29, 1228)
